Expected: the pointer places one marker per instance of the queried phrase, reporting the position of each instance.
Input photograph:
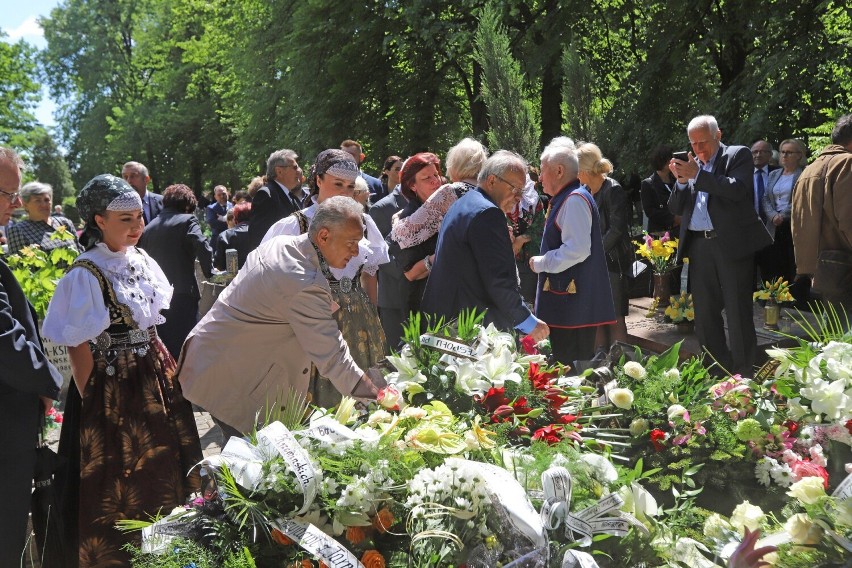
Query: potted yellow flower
(681, 311)
(661, 253)
(773, 293)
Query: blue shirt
(700, 220)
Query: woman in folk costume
(129, 434)
(354, 287)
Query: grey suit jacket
(262, 334)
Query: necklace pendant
(346, 284)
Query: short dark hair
(410, 168)
(842, 133)
(242, 212)
(661, 156)
(180, 198)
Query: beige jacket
(822, 208)
(262, 334)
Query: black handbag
(44, 507)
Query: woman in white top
(129, 434)
(354, 287)
(778, 259)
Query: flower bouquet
(681, 310)
(775, 292)
(659, 252)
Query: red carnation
(528, 343)
(657, 438)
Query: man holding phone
(720, 232)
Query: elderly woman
(40, 225)
(777, 259)
(614, 211)
(354, 287)
(464, 160)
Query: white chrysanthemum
(763, 469)
(635, 370)
(672, 374)
(782, 474)
(379, 416)
(414, 412)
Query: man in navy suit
(353, 147)
(393, 286)
(720, 233)
(28, 385)
(474, 263)
(137, 176)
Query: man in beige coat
(275, 319)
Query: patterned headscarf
(336, 162)
(105, 193)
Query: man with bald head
(761, 153)
(136, 175)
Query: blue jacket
(579, 296)
(474, 265)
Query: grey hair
(334, 212)
(278, 158)
(563, 152)
(35, 188)
(465, 159)
(7, 154)
(800, 146)
(501, 162)
(140, 168)
(704, 121)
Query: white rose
(622, 398)
(746, 515)
(808, 490)
(802, 530)
(672, 374)
(676, 410)
(389, 398)
(635, 371)
(716, 527)
(638, 427)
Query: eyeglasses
(12, 197)
(789, 152)
(514, 189)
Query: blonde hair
(591, 160)
(800, 146)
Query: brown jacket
(262, 334)
(821, 217)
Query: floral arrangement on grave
(680, 308)
(774, 292)
(38, 272)
(661, 253)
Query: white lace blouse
(372, 250)
(426, 220)
(77, 312)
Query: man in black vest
(28, 385)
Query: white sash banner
(244, 461)
(578, 559)
(316, 542)
(556, 483)
(277, 437)
(446, 346)
(328, 430)
(504, 487)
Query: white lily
(407, 370)
(829, 398)
(499, 367)
(468, 379)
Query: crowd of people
(332, 264)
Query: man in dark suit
(137, 176)
(377, 191)
(174, 239)
(474, 263)
(28, 385)
(720, 233)
(280, 196)
(393, 286)
(761, 153)
(215, 214)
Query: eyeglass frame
(514, 189)
(790, 152)
(12, 197)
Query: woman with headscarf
(354, 288)
(128, 433)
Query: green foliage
(19, 92)
(512, 115)
(39, 271)
(47, 164)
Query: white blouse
(77, 312)
(372, 250)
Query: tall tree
(19, 92)
(512, 115)
(48, 165)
